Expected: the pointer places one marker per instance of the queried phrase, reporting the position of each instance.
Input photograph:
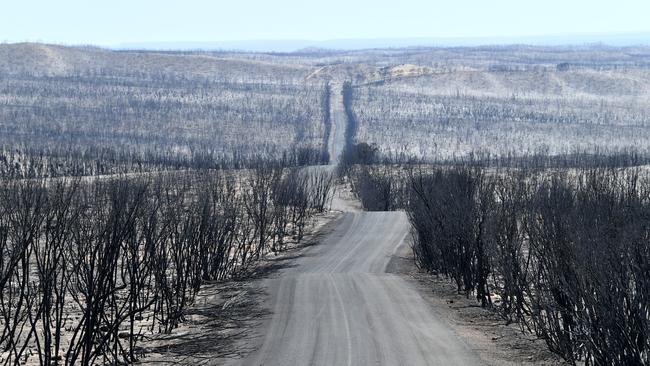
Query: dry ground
(227, 312)
(483, 330)
(229, 317)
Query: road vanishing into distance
(336, 142)
(337, 306)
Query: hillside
(152, 108)
(501, 111)
(50, 60)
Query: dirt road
(338, 306)
(336, 141)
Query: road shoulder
(482, 330)
(226, 322)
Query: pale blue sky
(122, 21)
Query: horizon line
(614, 39)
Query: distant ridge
(607, 39)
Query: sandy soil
(228, 319)
(224, 313)
(483, 331)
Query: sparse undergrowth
(89, 269)
(564, 254)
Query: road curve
(338, 306)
